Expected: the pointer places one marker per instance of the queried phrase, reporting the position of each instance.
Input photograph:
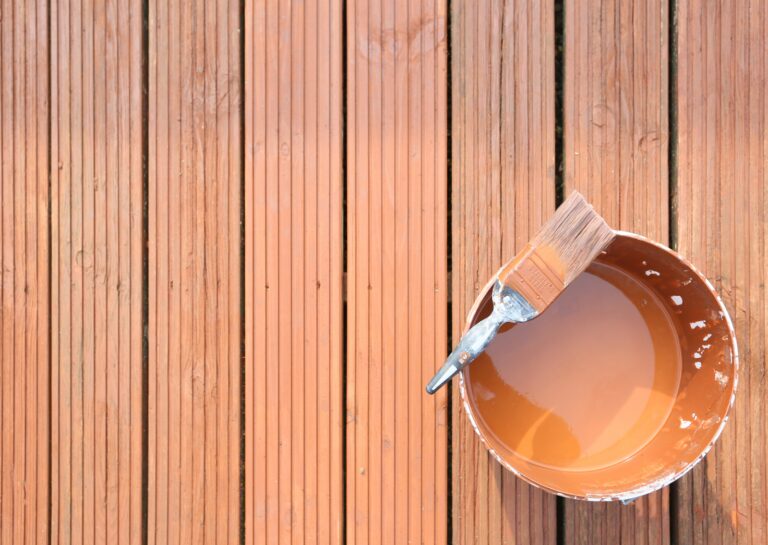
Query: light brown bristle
(561, 250)
(576, 234)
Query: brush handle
(472, 343)
(536, 274)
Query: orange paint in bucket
(618, 388)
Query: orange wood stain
(589, 382)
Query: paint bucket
(619, 388)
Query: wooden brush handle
(537, 274)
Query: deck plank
(24, 267)
(616, 138)
(96, 267)
(194, 289)
(397, 270)
(293, 272)
(503, 161)
(721, 203)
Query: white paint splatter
(684, 424)
(707, 337)
(721, 378)
(686, 282)
(697, 355)
(697, 364)
(676, 299)
(651, 272)
(699, 324)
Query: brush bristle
(576, 233)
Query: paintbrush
(528, 284)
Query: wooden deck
(239, 237)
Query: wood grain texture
(397, 267)
(503, 189)
(24, 262)
(722, 205)
(616, 138)
(293, 272)
(96, 267)
(194, 272)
